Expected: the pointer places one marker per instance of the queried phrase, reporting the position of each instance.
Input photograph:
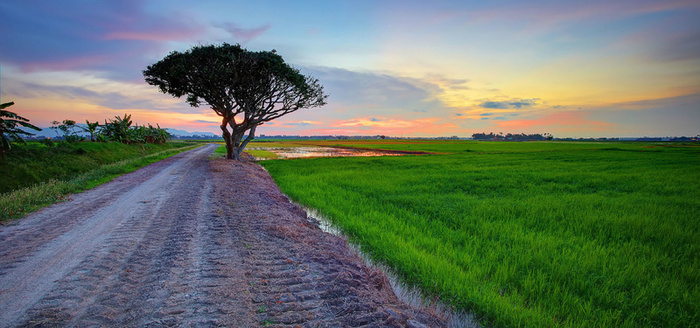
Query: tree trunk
(227, 139)
(234, 139)
(241, 146)
(237, 135)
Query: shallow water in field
(308, 152)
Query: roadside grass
(20, 201)
(258, 153)
(534, 234)
(34, 162)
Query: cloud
(380, 122)
(689, 101)
(447, 83)
(49, 35)
(553, 15)
(671, 116)
(302, 123)
(388, 126)
(245, 34)
(664, 42)
(684, 46)
(364, 92)
(517, 104)
(205, 121)
(128, 96)
(570, 121)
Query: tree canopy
(246, 88)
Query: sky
(398, 68)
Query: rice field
(534, 234)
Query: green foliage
(150, 134)
(116, 159)
(9, 128)
(245, 88)
(120, 129)
(525, 234)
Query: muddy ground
(189, 241)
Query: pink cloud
(388, 126)
(367, 126)
(562, 121)
(246, 34)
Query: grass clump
(533, 234)
(78, 169)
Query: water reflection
(308, 152)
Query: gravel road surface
(189, 241)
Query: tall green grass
(525, 234)
(22, 200)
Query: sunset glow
(396, 68)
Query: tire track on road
(299, 276)
(38, 257)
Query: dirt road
(188, 241)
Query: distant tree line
(13, 130)
(512, 137)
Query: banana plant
(9, 130)
(118, 129)
(92, 128)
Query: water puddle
(309, 152)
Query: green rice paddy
(535, 234)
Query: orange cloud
(381, 122)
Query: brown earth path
(189, 241)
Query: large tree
(9, 128)
(246, 88)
